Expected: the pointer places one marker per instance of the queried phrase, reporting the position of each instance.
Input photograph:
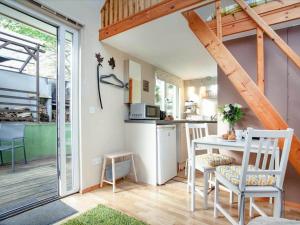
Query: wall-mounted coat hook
(112, 62)
(100, 61)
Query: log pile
(10, 115)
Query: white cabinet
(166, 153)
(140, 138)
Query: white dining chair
(263, 179)
(205, 162)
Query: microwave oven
(141, 111)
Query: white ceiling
(168, 44)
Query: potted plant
(231, 113)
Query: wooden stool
(113, 158)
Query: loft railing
(114, 11)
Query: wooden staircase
(248, 89)
(210, 34)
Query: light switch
(92, 109)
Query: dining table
(215, 142)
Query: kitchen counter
(141, 138)
(167, 122)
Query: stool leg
(133, 167)
(113, 174)
(103, 171)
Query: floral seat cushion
(232, 173)
(213, 160)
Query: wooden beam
(218, 8)
(159, 10)
(270, 32)
(274, 12)
(259, 104)
(260, 57)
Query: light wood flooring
(167, 204)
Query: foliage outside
(48, 60)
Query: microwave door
(152, 112)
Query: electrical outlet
(97, 160)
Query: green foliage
(231, 113)
(102, 215)
(29, 31)
(157, 94)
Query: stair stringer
(247, 88)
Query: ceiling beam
(159, 10)
(272, 13)
(256, 100)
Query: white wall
(102, 131)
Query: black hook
(112, 62)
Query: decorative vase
(231, 128)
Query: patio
(30, 183)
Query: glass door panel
(28, 169)
(68, 144)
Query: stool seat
(113, 157)
(118, 155)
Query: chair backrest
(268, 161)
(11, 131)
(194, 131)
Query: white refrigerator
(166, 153)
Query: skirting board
(89, 189)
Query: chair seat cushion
(232, 174)
(213, 160)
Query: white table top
(218, 141)
(214, 141)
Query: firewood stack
(44, 117)
(23, 114)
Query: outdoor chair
(12, 139)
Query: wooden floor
(167, 204)
(31, 182)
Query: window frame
(164, 98)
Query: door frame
(61, 151)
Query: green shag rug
(102, 215)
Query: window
(171, 100)
(166, 97)
(160, 94)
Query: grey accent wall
(282, 87)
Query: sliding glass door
(68, 116)
(39, 105)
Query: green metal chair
(12, 139)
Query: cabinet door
(166, 148)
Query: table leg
(113, 174)
(193, 177)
